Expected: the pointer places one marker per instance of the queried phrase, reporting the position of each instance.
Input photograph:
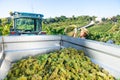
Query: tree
(104, 19)
(11, 13)
(0, 21)
(63, 18)
(73, 17)
(57, 19)
(114, 19)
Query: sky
(56, 8)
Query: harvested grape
(65, 64)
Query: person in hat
(83, 33)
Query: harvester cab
(26, 23)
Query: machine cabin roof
(27, 15)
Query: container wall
(18, 47)
(1, 50)
(106, 55)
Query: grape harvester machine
(26, 23)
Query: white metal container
(13, 48)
